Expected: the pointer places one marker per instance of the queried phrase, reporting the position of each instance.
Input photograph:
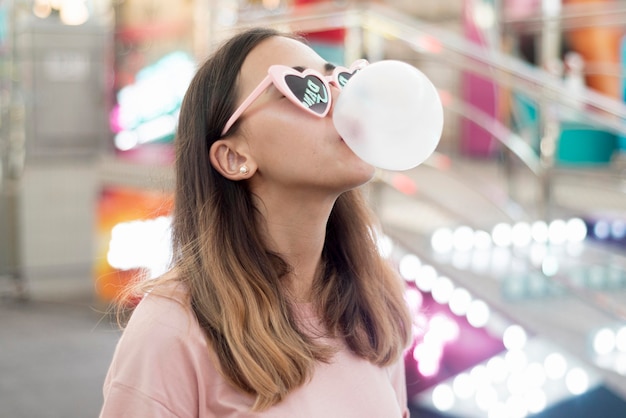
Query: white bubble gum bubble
(390, 115)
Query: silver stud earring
(244, 169)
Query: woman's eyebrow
(328, 68)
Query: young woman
(278, 303)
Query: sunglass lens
(310, 91)
(343, 77)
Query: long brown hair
(236, 285)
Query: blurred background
(511, 237)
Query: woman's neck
(297, 231)
(301, 245)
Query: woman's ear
(230, 161)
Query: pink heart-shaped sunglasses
(309, 89)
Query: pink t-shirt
(162, 368)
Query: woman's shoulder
(162, 343)
(164, 312)
(163, 325)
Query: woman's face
(291, 148)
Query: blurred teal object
(335, 54)
(580, 143)
(585, 144)
(525, 120)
